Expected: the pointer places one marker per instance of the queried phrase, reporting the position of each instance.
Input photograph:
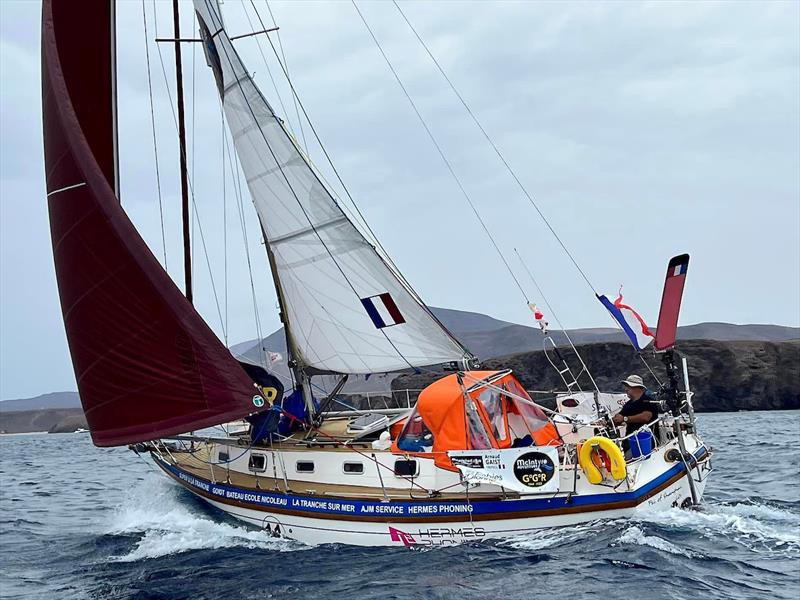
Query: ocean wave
(636, 536)
(549, 537)
(167, 527)
(756, 525)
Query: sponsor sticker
(473, 462)
(534, 469)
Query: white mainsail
(347, 310)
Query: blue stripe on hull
(409, 510)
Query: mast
(297, 369)
(187, 257)
(174, 375)
(114, 103)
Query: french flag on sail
(382, 310)
(631, 322)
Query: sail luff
(146, 364)
(349, 310)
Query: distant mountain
(53, 420)
(724, 375)
(43, 402)
(487, 337)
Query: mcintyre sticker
(534, 469)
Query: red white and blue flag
(631, 321)
(383, 311)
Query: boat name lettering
(440, 536)
(194, 481)
(323, 505)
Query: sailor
(640, 409)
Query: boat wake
(164, 524)
(757, 526)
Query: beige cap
(633, 381)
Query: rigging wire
(361, 219)
(441, 152)
(189, 179)
(381, 252)
(496, 149)
(194, 237)
(236, 183)
(555, 316)
(266, 64)
(281, 169)
(224, 227)
(518, 182)
(285, 65)
(155, 143)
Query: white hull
(657, 484)
(319, 531)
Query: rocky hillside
(725, 376)
(53, 420)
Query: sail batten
(347, 310)
(146, 364)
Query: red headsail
(667, 327)
(146, 363)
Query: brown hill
(725, 376)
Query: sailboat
(475, 458)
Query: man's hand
(618, 419)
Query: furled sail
(347, 310)
(146, 363)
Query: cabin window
(493, 402)
(223, 457)
(304, 466)
(405, 468)
(534, 416)
(478, 438)
(354, 468)
(258, 462)
(415, 437)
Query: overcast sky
(643, 130)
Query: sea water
(83, 522)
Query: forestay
(347, 310)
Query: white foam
(546, 538)
(635, 535)
(170, 527)
(749, 524)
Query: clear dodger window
(415, 437)
(492, 402)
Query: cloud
(642, 130)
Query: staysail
(347, 310)
(146, 364)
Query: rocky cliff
(725, 376)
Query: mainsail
(347, 310)
(146, 364)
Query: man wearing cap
(640, 409)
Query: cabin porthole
(304, 466)
(353, 468)
(223, 457)
(406, 468)
(257, 463)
